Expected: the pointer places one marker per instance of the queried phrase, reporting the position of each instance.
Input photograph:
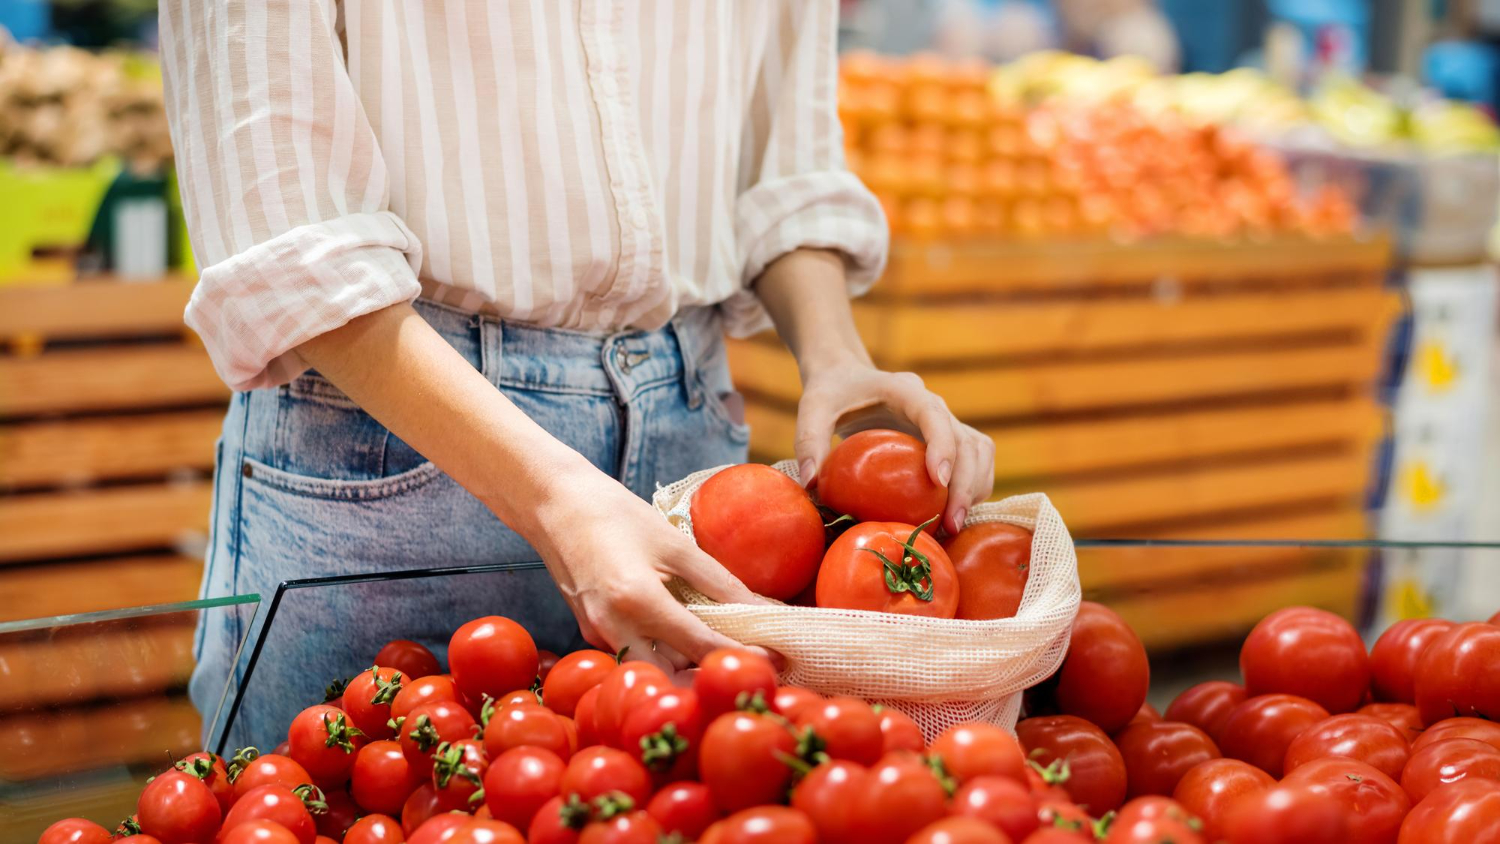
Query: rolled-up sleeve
(284, 190)
(796, 191)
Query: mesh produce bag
(940, 672)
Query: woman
(467, 263)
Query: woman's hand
(855, 396)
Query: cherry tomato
(791, 700)
(849, 728)
(1062, 814)
(375, 829)
(1147, 714)
(1105, 675)
(1208, 788)
(583, 716)
(901, 796)
(340, 813)
(740, 760)
(974, 750)
(558, 821)
(1151, 831)
(368, 699)
(1282, 815)
(491, 655)
(1158, 753)
(636, 827)
(1473, 728)
(1402, 716)
(1447, 761)
(1372, 802)
(574, 674)
(726, 674)
(999, 801)
(958, 831)
(616, 692)
(546, 661)
(897, 732)
(1465, 812)
(382, 778)
(323, 742)
(419, 808)
(1056, 835)
(177, 808)
(829, 796)
(1155, 806)
(761, 526)
(1207, 706)
(527, 724)
(1260, 730)
(1310, 653)
(880, 566)
(684, 808)
(767, 825)
(596, 771)
(1457, 676)
(75, 831)
(274, 803)
(519, 781)
(487, 832)
(210, 768)
(992, 561)
(408, 657)
(1394, 658)
(428, 726)
(1097, 773)
(458, 773)
(270, 769)
(881, 476)
(257, 832)
(1362, 737)
(664, 733)
(519, 697)
(423, 690)
(438, 828)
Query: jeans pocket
(259, 474)
(323, 435)
(720, 404)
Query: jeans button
(246, 470)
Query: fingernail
(958, 518)
(945, 470)
(805, 472)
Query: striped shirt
(589, 164)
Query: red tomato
(1096, 772)
(1466, 812)
(1065, 815)
(1056, 835)
(428, 726)
(75, 831)
(975, 750)
(274, 803)
(1207, 706)
(1402, 716)
(1447, 761)
(546, 661)
(438, 828)
(629, 828)
(1105, 675)
(992, 561)
(1282, 815)
(958, 831)
(848, 727)
(664, 733)
(257, 832)
(408, 657)
(1260, 730)
(1394, 658)
(740, 760)
(791, 700)
(210, 768)
(323, 742)
(1372, 802)
(901, 796)
(1457, 676)
(573, 675)
(829, 796)
(519, 781)
(1207, 789)
(177, 808)
(382, 779)
(767, 825)
(1151, 831)
(726, 674)
(1147, 714)
(761, 526)
(897, 732)
(492, 655)
(684, 808)
(596, 771)
(519, 697)
(487, 832)
(368, 699)
(583, 717)
(338, 815)
(616, 692)
(999, 801)
(558, 821)
(1362, 737)
(422, 690)
(881, 476)
(1473, 728)
(458, 774)
(527, 724)
(1152, 807)
(1158, 753)
(375, 829)
(420, 807)
(1310, 653)
(888, 567)
(248, 771)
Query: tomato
(382, 778)
(1474, 728)
(1152, 807)
(438, 828)
(958, 831)
(1157, 754)
(974, 750)
(1208, 788)
(249, 770)
(408, 657)
(527, 724)
(1207, 706)
(492, 655)
(1310, 653)
(888, 567)
(829, 796)
(178, 808)
(1372, 802)
(458, 770)
(573, 675)
(258, 832)
(487, 832)
(1457, 676)
(636, 827)
(1260, 730)
(767, 825)
(901, 796)
(368, 698)
(1152, 831)
(1063, 814)
(1097, 773)
(1362, 737)
(999, 801)
(791, 700)
(881, 476)
(323, 742)
(1402, 716)
(545, 661)
(428, 726)
(596, 771)
(1105, 675)
(1056, 835)
(761, 526)
(848, 727)
(625, 682)
(1147, 714)
(1394, 658)
(210, 768)
(274, 803)
(338, 815)
(375, 829)
(897, 732)
(726, 674)
(519, 781)
(1466, 812)
(422, 690)
(75, 831)
(1450, 760)
(664, 733)
(420, 807)
(1282, 815)
(583, 716)
(740, 760)
(558, 821)
(992, 561)
(684, 808)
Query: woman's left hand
(855, 396)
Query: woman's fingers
(973, 474)
(672, 624)
(705, 574)
(938, 429)
(815, 421)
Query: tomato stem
(335, 690)
(340, 732)
(312, 798)
(660, 749)
(448, 762)
(574, 813)
(385, 690)
(611, 804)
(240, 761)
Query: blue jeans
(310, 485)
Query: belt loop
(491, 333)
(688, 349)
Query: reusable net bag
(940, 672)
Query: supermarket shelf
(95, 308)
(107, 379)
(104, 664)
(50, 744)
(75, 451)
(38, 526)
(59, 588)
